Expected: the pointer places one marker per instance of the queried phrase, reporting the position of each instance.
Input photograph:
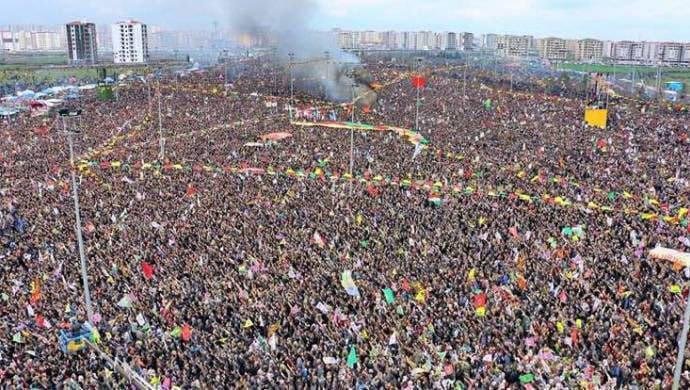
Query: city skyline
(615, 20)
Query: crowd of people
(511, 251)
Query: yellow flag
(674, 288)
(247, 324)
(482, 220)
(420, 296)
(359, 219)
(560, 327)
(471, 274)
(480, 311)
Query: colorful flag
(389, 295)
(147, 269)
(349, 284)
(352, 357)
(434, 199)
(176, 332)
(35, 291)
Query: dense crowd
(225, 264)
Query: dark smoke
(287, 22)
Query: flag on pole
(417, 150)
(191, 191)
(147, 269)
(388, 294)
(352, 357)
(349, 284)
(418, 81)
(186, 332)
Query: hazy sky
(605, 19)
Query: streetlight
(352, 131)
(292, 86)
(161, 141)
(64, 115)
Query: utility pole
(292, 86)
(65, 113)
(632, 85)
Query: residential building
(669, 52)
(552, 49)
(81, 43)
(466, 42)
(490, 41)
(514, 45)
(685, 57)
(130, 42)
(591, 50)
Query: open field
(648, 72)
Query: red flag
(191, 191)
(513, 231)
(601, 144)
(479, 300)
(418, 81)
(42, 130)
(40, 321)
(186, 332)
(147, 269)
(373, 191)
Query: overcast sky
(604, 19)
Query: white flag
(417, 150)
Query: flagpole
(417, 87)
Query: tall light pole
(352, 131)
(65, 113)
(161, 141)
(292, 86)
(464, 83)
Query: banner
(596, 117)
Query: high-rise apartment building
(81, 43)
(553, 49)
(514, 45)
(590, 50)
(130, 42)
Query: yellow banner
(596, 117)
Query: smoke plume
(287, 22)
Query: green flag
(17, 338)
(364, 243)
(176, 332)
(352, 357)
(388, 293)
(526, 378)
